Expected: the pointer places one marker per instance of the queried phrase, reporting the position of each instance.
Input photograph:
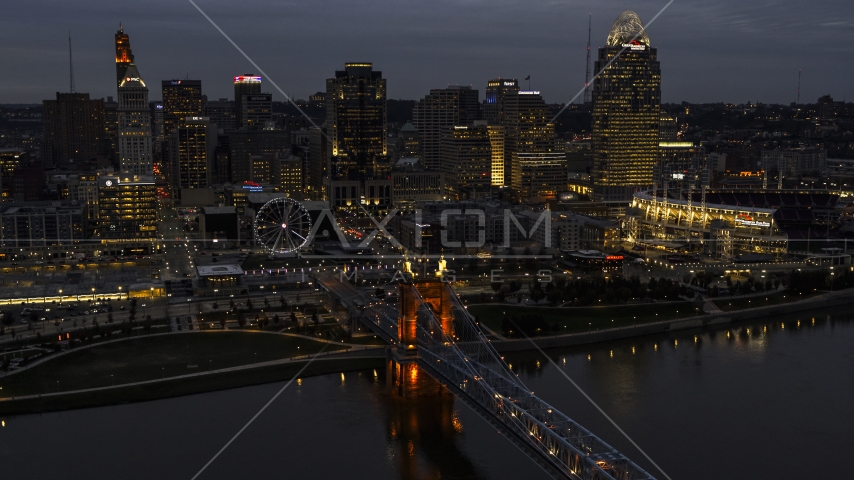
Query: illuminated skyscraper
(493, 105)
(246, 84)
(181, 99)
(134, 127)
(466, 155)
(533, 166)
(358, 166)
(124, 55)
(356, 122)
(194, 141)
(626, 110)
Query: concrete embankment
(833, 299)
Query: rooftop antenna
(70, 63)
(587, 73)
(799, 87)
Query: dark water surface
(767, 399)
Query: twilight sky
(710, 51)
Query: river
(763, 399)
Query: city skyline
(419, 49)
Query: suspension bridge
(430, 330)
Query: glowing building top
(627, 29)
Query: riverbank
(367, 358)
(174, 364)
(830, 299)
(185, 385)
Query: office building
(42, 224)
(438, 112)
(356, 123)
(496, 143)
(539, 174)
(357, 160)
(256, 111)
(134, 124)
(493, 104)
(408, 142)
(246, 84)
(244, 144)
(127, 209)
(181, 99)
(221, 113)
(157, 129)
(626, 111)
(111, 131)
(194, 141)
(288, 175)
(527, 131)
(73, 131)
(466, 157)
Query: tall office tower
(157, 137)
(493, 105)
(111, 131)
(527, 130)
(437, 113)
(73, 131)
(496, 142)
(256, 110)
(221, 113)
(181, 99)
(222, 159)
(194, 141)
(466, 157)
(246, 84)
(134, 125)
(124, 56)
(626, 110)
(356, 123)
(244, 144)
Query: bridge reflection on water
(423, 430)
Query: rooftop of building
(218, 270)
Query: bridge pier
(405, 378)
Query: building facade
(436, 114)
(246, 84)
(626, 111)
(127, 209)
(73, 131)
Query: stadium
(727, 223)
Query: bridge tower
(402, 372)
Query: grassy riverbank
(186, 386)
(153, 358)
(730, 304)
(585, 319)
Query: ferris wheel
(282, 226)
